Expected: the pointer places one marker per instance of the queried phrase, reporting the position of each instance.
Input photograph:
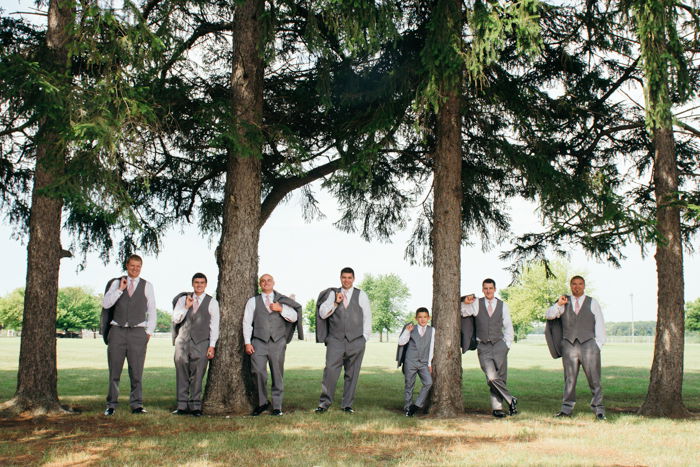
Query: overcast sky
(305, 258)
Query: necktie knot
(490, 308)
(131, 287)
(267, 303)
(195, 306)
(346, 302)
(577, 305)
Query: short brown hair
(577, 277)
(422, 310)
(135, 258)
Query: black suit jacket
(107, 314)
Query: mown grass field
(377, 434)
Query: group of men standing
(575, 331)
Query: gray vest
(489, 328)
(131, 310)
(347, 322)
(418, 350)
(579, 327)
(268, 326)
(196, 325)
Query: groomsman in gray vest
(583, 336)
(415, 353)
(129, 321)
(268, 326)
(347, 320)
(195, 332)
(494, 334)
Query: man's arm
(289, 313)
(554, 311)
(214, 317)
(328, 307)
(471, 309)
(248, 320)
(151, 313)
(366, 315)
(599, 328)
(180, 310)
(112, 295)
(508, 333)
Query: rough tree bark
(37, 391)
(664, 396)
(446, 240)
(229, 384)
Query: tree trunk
(664, 396)
(37, 391)
(229, 384)
(446, 240)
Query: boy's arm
(432, 348)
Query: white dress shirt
(473, 309)
(114, 293)
(556, 310)
(328, 307)
(406, 336)
(288, 313)
(180, 311)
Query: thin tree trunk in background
(229, 384)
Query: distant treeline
(621, 328)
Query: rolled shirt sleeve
(214, 318)
(151, 313)
(599, 329)
(508, 333)
(366, 315)
(112, 295)
(432, 349)
(554, 311)
(289, 313)
(405, 336)
(248, 320)
(328, 307)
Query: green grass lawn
(377, 434)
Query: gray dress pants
(190, 365)
(586, 355)
(345, 354)
(493, 359)
(410, 371)
(129, 344)
(271, 353)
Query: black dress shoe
(260, 409)
(277, 413)
(562, 415)
(412, 410)
(109, 411)
(499, 413)
(139, 411)
(179, 412)
(513, 408)
(348, 410)
(320, 410)
(196, 413)
(600, 416)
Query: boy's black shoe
(412, 410)
(499, 413)
(109, 411)
(260, 409)
(139, 411)
(348, 410)
(600, 416)
(513, 408)
(277, 413)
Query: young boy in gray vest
(583, 336)
(415, 353)
(494, 335)
(195, 332)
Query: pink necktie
(577, 306)
(490, 309)
(421, 330)
(346, 302)
(267, 303)
(195, 307)
(131, 287)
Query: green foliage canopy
(387, 295)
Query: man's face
(133, 268)
(267, 283)
(347, 279)
(199, 285)
(489, 290)
(422, 318)
(577, 287)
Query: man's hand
(339, 297)
(122, 283)
(189, 301)
(211, 352)
(248, 349)
(274, 306)
(563, 300)
(409, 328)
(148, 338)
(430, 369)
(469, 299)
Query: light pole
(632, 308)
